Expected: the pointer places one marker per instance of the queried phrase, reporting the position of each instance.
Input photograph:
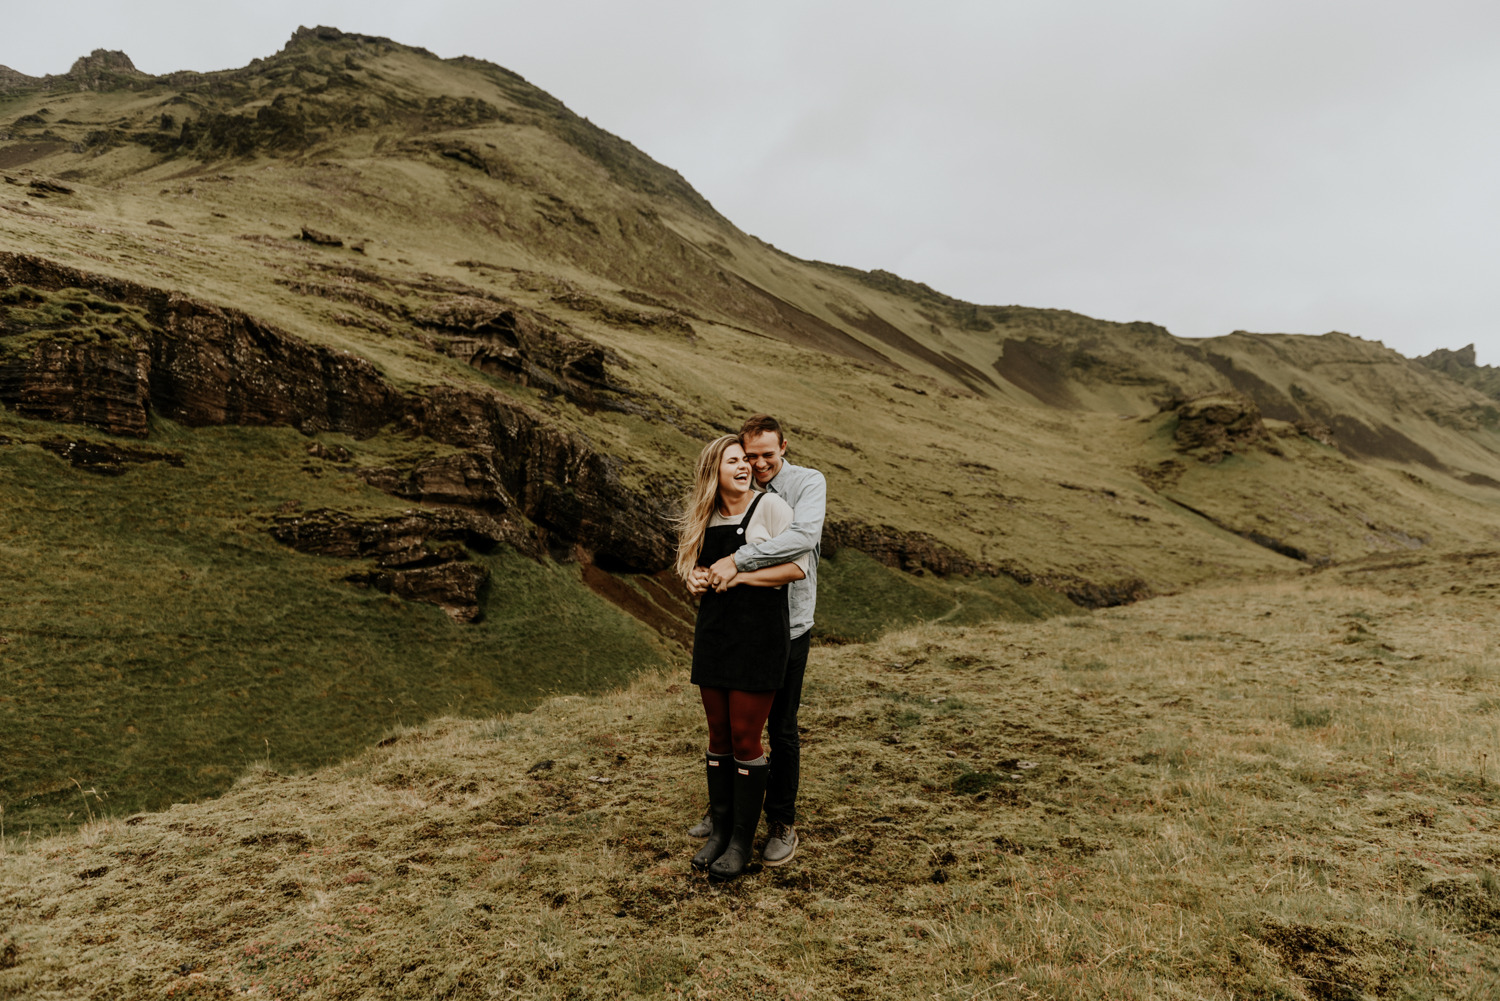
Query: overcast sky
(1266, 165)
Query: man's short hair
(760, 424)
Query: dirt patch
(1334, 962)
(1481, 480)
(1162, 476)
(1273, 402)
(1473, 903)
(1358, 440)
(668, 620)
(1037, 368)
(883, 331)
(801, 327)
(23, 152)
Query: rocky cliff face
(521, 480)
(12, 80)
(518, 481)
(188, 360)
(1214, 425)
(106, 387)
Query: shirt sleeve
(798, 539)
(773, 517)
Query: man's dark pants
(781, 730)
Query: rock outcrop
(419, 556)
(525, 347)
(106, 386)
(560, 483)
(403, 541)
(468, 480)
(1463, 366)
(913, 552)
(202, 364)
(189, 360)
(918, 553)
(103, 458)
(321, 239)
(13, 80)
(1217, 424)
(452, 586)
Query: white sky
(1266, 165)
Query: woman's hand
(732, 581)
(722, 570)
(698, 583)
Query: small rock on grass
(321, 239)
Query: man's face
(765, 452)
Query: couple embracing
(748, 546)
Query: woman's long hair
(699, 508)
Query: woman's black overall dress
(743, 636)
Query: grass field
(859, 598)
(1283, 790)
(155, 639)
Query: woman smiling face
(735, 478)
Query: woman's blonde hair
(699, 508)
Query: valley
(346, 401)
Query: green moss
(157, 640)
(29, 317)
(859, 597)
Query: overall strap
(750, 513)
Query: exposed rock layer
(410, 560)
(453, 586)
(203, 364)
(106, 387)
(1216, 424)
(519, 480)
(103, 458)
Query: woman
(740, 644)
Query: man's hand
(722, 572)
(697, 582)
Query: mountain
(1462, 366)
(357, 386)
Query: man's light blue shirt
(806, 492)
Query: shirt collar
(782, 472)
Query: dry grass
(1263, 792)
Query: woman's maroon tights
(735, 720)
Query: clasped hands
(721, 577)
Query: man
(807, 493)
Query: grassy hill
(383, 372)
(1273, 790)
